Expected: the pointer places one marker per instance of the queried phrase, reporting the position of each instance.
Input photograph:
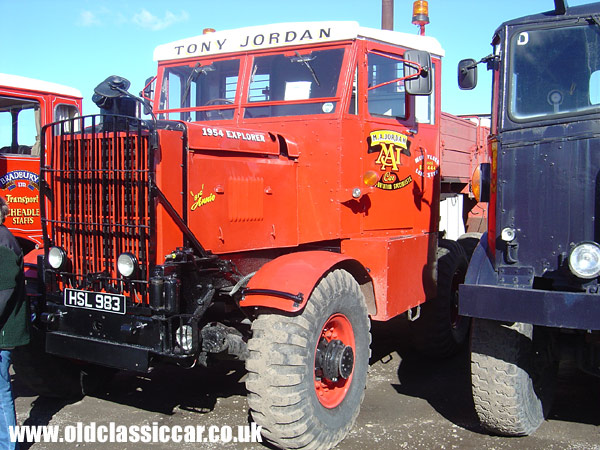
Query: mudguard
(480, 272)
(480, 269)
(30, 261)
(287, 282)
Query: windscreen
(554, 72)
(296, 81)
(290, 83)
(202, 84)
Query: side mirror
(415, 83)
(147, 95)
(467, 74)
(148, 91)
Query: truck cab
(532, 285)
(25, 106)
(324, 107)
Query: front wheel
(307, 372)
(513, 376)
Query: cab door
(402, 147)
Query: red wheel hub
(334, 361)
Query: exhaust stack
(387, 14)
(560, 7)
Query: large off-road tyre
(469, 241)
(292, 392)
(441, 332)
(513, 376)
(51, 376)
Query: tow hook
(52, 317)
(333, 360)
(131, 329)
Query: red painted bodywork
(295, 272)
(281, 183)
(22, 194)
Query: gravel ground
(410, 403)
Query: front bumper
(123, 341)
(558, 309)
(110, 354)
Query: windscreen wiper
(197, 70)
(193, 74)
(306, 61)
(595, 19)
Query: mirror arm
(486, 59)
(423, 72)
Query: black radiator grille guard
(95, 186)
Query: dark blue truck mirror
(467, 74)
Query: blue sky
(80, 42)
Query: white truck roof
(287, 34)
(31, 84)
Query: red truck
(286, 192)
(25, 106)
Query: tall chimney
(387, 14)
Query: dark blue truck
(532, 286)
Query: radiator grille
(97, 201)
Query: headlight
(508, 234)
(127, 264)
(584, 260)
(56, 257)
(185, 338)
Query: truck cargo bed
(462, 145)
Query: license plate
(98, 301)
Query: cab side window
(386, 96)
(62, 113)
(19, 125)
(425, 104)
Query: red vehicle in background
(26, 105)
(296, 181)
